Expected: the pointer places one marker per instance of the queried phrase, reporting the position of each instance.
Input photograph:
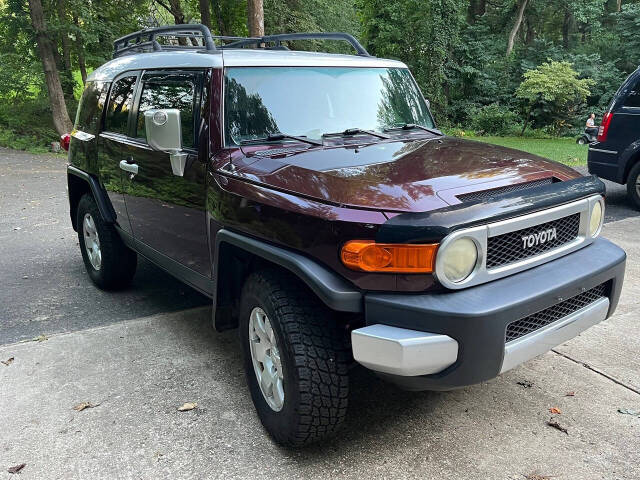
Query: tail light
(603, 131)
(369, 256)
(65, 140)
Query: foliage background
(456, 50)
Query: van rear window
(91, 107)
(633, 95)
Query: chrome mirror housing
(164, 134)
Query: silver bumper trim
(400, 351)
(544, 339)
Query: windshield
(311, 101)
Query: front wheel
(581, 141)
(633, 185)
(296, 359)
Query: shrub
(493, 119)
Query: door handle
(129, 167)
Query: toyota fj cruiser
(312, 197)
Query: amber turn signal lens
(369, 256)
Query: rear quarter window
(633, 95)
(120, 104)
(91, 106)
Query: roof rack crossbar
(138, 41)
(284, 37)
(147, 40)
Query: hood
(396, 176)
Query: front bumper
(447, 340)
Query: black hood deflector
(432, 227)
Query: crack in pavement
(599, 372)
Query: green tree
(554, 90)
(422, 33)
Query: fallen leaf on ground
(557, 426)
(41, 338)
(537, 476)
(8, 361)
(81, 406)
(628, 411)
(526, 383)
(555, 410)
(187, 406)
(570, 394)
(16, 468)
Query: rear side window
(633, 95)
(91, 107)
(120, 104)
(171, 90)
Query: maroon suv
(311, 196)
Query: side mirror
(164, 134)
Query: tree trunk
(66, 45)
(531, 34)
(255, 17)
(176, 11)
(80, 46)
(618, 5)
(477, 8)
(205, 13)
(526, 120)
(61, 119)
(566, 28)
(516, 26)
(217, 11)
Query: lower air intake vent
(529, 324)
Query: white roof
(234, 58)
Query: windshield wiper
(274, 137)
(413, 126)
(355, 131)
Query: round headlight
(458, 259)
(596, 219)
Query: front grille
(509, 247)
(529, 324)
(484, 194)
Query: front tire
(108, 261)
(633, 185)
(296, 359)
(581, 141)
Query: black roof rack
(198, 37)
(284, 37)
(147, 40)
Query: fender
(627, 160)
(100, 196)
(332, 289)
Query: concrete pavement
(140, 369)
(45, 288)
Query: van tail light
(369, 256)
(65, 140)
(603, 131)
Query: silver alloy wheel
(265, 357)
(638, 185)
(91, 241)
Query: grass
(563, 150)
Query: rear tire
(311, 359)
(108, 261)
(633, 185)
